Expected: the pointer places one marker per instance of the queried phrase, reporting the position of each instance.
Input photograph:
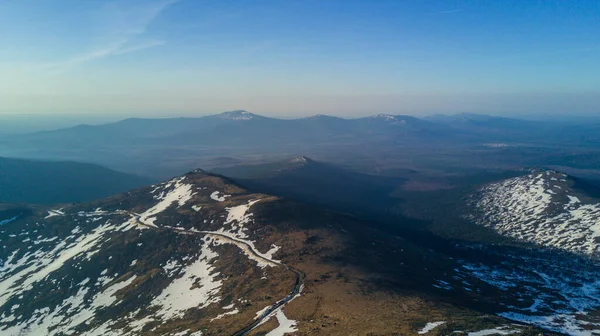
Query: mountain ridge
(169, 147)
(237, 114)
(127, 265)
(52, 182)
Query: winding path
(300, 276)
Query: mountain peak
(322, 116)
(394, 119)
(198, 171)
(301, 160)
(237, 115)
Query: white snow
(40, 264)
(262, 311)
(496, 145)
(106, 297)
(573, 200)
(192, 280)
(273, 250)
(71, 313)
(300, 159)
(180, 194)
(430, 326)
(181, 333)
(54, 213)
(246, 246)
(220, 316)
(44, 240)
(523, 208)
(554, 302)
(396, 120)
(240, 213)
(96, 213)
(196, 288)
(215, 196)
(172, 267)
(285, 326)
(237, 218)
(237, 115)
(504, 330)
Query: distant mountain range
(32, 181)
(235, 128)
(255, 128)
(167, 147)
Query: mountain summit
(237, 115)
(301, 160)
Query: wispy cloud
(124, 26)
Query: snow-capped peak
(301, 159)
(237, 115)
(391, 118)
(385, 116)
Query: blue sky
(292, 58)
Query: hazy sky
(299, 57)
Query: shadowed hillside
(28, 181)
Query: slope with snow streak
(558, 292)
(167, 193)
(285, 326)
(541, 208)
(182, 294)
(38, 267)
(430, 326)
(122, 271)
(22, 274)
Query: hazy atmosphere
(297, 58)
(299, 168)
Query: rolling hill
(29, 181)
(324, 184)
(544, 208)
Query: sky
(122, 58)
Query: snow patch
(285, 326)
(175, 191)
(54, 213)
(196, 288)
(215, 196)
(504, 330)
(220, 316)
(430, 326)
